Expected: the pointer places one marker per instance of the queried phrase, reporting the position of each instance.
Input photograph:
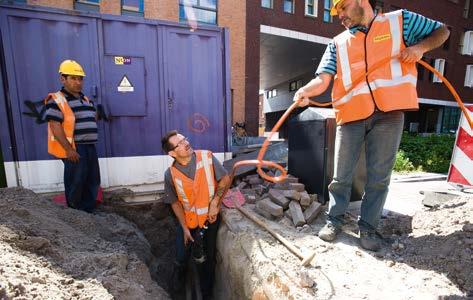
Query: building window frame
(291, 7)
(310, 5)
(469, 76)
(87, 5)
(265, 5)
(295, 85)
(197, 8)
(439, 65)
(450, 119)
(327, 7)
(132, 10)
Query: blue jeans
(82, 179)
(381, 133)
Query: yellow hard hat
(71, 67)
(333, 10)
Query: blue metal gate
(151, 77)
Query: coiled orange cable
(259, 162)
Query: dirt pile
(424, 256)
(441, 240)
(51, 252)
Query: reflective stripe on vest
(68, 123)
(195, 194)
(393, 86)
(207, 163)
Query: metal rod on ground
(305, 260)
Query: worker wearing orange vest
(369, 112)
(194, 186)
(72, 135)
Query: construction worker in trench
(194, 186)
(72, 135)
(372, 112)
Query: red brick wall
(442, 10)
(112, 7)
(232, 14)
(64, 4)
(162, 9)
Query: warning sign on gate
(461, 165)
(125, 85)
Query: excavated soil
(425, 256)
(51, 252)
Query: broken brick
(296, 213)
(312, 211)
(277, 197)
(251, 199)
(270, 207)
(291, 194)
(262, 212)
(255, 181)
(291, 179)
(305, 199)
(297, 187)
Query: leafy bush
(425, 153)
(403, 164)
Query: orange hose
(259, 162)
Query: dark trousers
(82, 179)
(206, 270)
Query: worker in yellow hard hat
(72, 135)
(369, 111)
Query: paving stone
(251, 199)
(259, 189)
(314, 197)
(312, 212)
(287, 213)
(270, 207)
(296, 213)
(263, 213)
(242, 185)
(281, 186)
(291, 194)
(255, 181)
(291, 179)
(297, 187)
(305, 199)
(277, 197)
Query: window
(466, 9)
(295, 85)
(271, 93)
(133, 7)
(203, 11)
(327, 6)
(450, 119)
(469, 76)
(466, 43)
(267, 3)
(311, 8)
(289, 6)
(88, 5)
(439, 65)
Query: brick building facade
(259, 28)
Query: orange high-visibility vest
(390, 87)
(195, 194)
(54, 147)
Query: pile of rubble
(273, 201)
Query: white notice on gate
(125, 85)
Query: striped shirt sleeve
(328, 63)
(52, 112)
(417, 27)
